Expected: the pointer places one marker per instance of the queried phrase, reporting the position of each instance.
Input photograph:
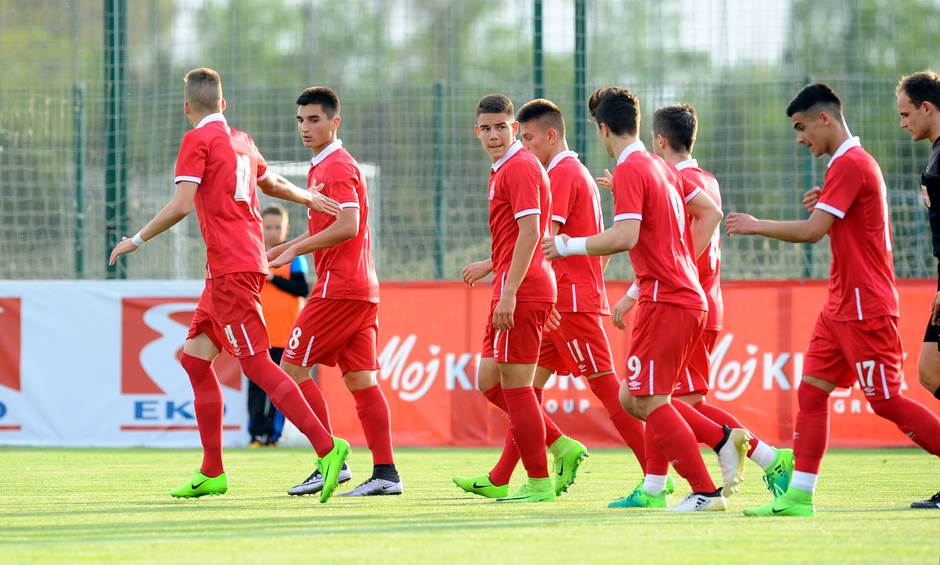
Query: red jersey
(518, 188)
(576, 205)
(647, 189)
(701, 182)
(226, 165)
(861, 278)
(344, 271)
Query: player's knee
(296, 372)
(359, 380)
(690, 399)
(928, 374)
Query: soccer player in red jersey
(218, 169)
(339, 323)
(579, 346)
(523, 289)
(649, 222)
(856, 336)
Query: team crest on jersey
(492, 190)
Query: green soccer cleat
(201, 485)
(535, 490)
(794, 502)
(777, 476)
(482, 486)
(568, 454)
(670, 485)
(639, 498)
(330, 466)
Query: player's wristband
(634, 291)
(137, 240)
(576, 246)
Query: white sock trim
(763, 455)
(804, 481)
(654, 484)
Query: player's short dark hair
(921, 87)
(617, 107)
(322, 95)
(495, 104)
(203, 90)
(546, 111)
(678, 124)
(814, 98)
(274, 210)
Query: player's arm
(706, 217)
(476, 271)
(522, 253)
(276, 186)
(276, 251)
(809, 230)
(176, 209)
(343, 229)
(622, 236)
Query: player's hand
(476, 271)
(553, 321)
(323, 204)
(741, 224)
(548, 246)
(606, 181)
(502, 314)
(283, 259)
(935, 310)
(810, 198)
(123, 248)
(275, 251)
(620, 310)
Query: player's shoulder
(856, 161)
(341, 164)
(524, 164)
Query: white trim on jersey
(688, 378)
(687, 164)
(184, 178)
(858, 303)
(327, 151)
(326, 283)
(574, 299)
(216, 117)
(591, 356)
(831, 209)
(628, 216)
(527, 212)
(693, 194)
(655, 289)
(560, 219)
(513, 149)
(557, 159)
(629, 150)
(264, 176)
(251, 350)
(884, 382)
(506, 351)
(652, 366)
(349, 205)
(846, 145)
(307, 354)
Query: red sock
(314, 397)
(675, 439)
(633, 431)
(720, 416)
(656, 462)
(914, 419)
(286, 397)
(372, 409)
(552, 432)
(210, 409)
(705, 429)
(508, 459)
(811, 435)
(528, 429)
(495, 396)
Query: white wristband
(577, 246)
(634, 291)
(561, 246)
(137, 240)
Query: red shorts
(866, 351)
(523, 342)
(578, 347)
(694, 379)
(664, 338)
(335, 332)
(229, 312)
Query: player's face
(915, 120)
(496, 132)
(811, 132)
(275, 229)
(539, 140)
(317, 130)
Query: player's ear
(337, 120)
(515, 128)
(476, 130)
(552, 135)
(222, 105)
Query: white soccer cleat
(699, 502)
(732, 452)
(314, 483)
(375, 487)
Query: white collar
(687, 164)
(216, 117)
(846, 145)
(327, 151)
(630, 149)
(557, 159)
(513, 149)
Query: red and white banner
(95, 363)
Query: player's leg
(928, 367)
(372, 409)
(567, 453)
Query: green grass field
(102, 505)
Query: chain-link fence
(91, 111)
